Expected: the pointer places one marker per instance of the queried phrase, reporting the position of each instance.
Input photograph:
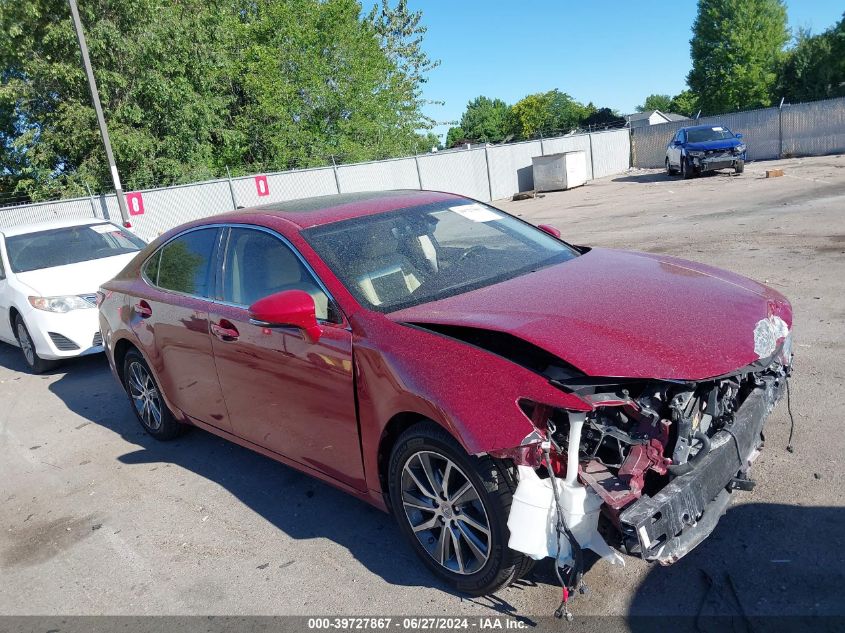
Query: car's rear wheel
(146, 399)
(453, 508)
(36, 364)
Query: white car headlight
(60, 304)
(740, 149)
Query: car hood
(622, 314)
(727, 143)
(74, 279)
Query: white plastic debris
(533, 516)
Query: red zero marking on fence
(135, 202)
(261, 186)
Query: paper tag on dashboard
(476, 213)
(105, 228)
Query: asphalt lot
(97, 518)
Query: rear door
(284, 393)
(172, 322)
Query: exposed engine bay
(659, 458)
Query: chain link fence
(801, 129)
(484, 173)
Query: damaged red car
(499, 390)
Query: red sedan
(497, 389)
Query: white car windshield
(68, 245)
(402, 258)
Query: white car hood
(74, 279)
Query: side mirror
(291, 307)
(739, 135)
(550, 230)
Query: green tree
(159, 78)
(815, 66)
(737, 50)
(604, 118)
(485, 120)
(454, 136)
(656, 102)
(401, 34)
(190, 87)
(685, 103)
(546, 113)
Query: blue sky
(611, 53)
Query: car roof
(23, 229)
(310, 212)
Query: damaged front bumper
(716, 161)
(667, 526)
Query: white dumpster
(559, 171)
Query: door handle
(225, 331)
(143, 309)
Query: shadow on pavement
(766, 567)
(298, 505)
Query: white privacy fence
(485, 173)
(801, 129)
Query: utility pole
(95, 97)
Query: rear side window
(185, 264)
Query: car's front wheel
(686, 168)
(147, 401)
(453, 508)
(669, 170)
(37, 365)
(739, 166)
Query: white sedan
(49, 276)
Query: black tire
(669, 170)
(36, 364)
(739, 166)
(145, 398)
(493, 487)
(686, 168)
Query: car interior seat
(384, 273)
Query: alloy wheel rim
(145, 396)
(445, 512)
(26, 344)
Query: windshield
(394, 260)
(68, 245)
(709, 134)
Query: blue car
(694, 150)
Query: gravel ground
(97, 518)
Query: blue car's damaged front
(694, 150)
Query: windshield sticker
(718, 129)
(476, 213)
(105, 228)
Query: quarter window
(185, 264)
(258, 265)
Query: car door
(284, 393)
(675, 150)
(172, 321)
(6, 331)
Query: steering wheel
(472, 251)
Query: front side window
(68, 245)
(401, 258)
(185, 264)
(258, 264)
